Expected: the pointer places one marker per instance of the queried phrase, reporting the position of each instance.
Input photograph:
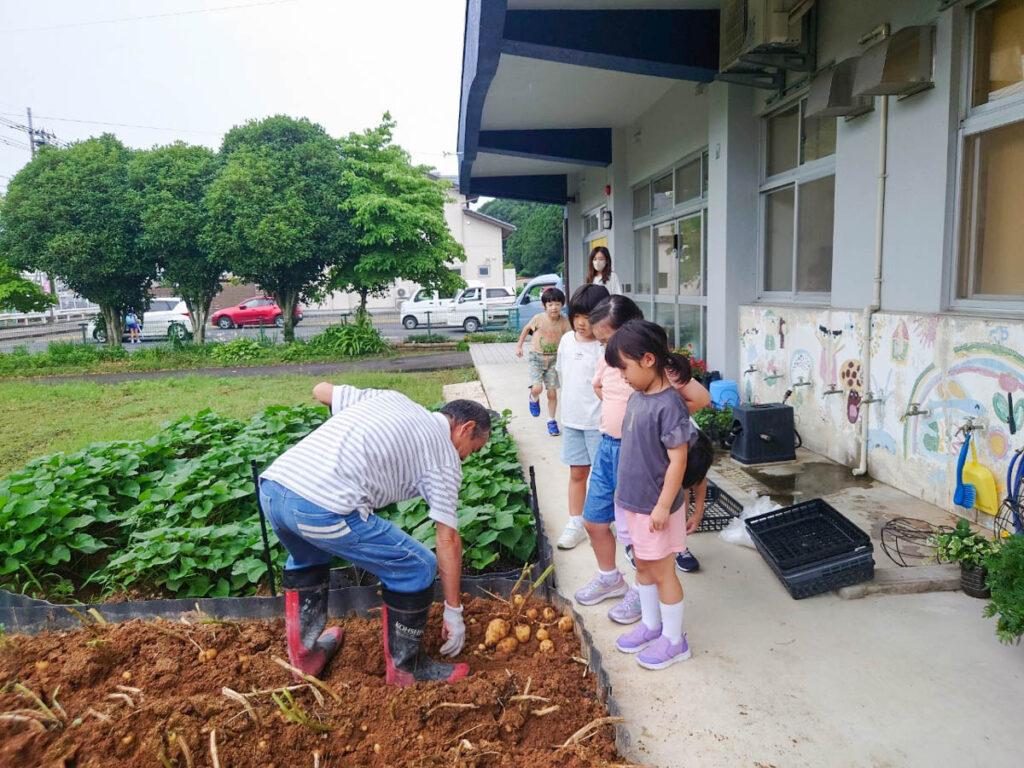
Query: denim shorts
(579, 446)
(315, 536)
(600, 504)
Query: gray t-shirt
(653, 423)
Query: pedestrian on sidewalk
(131, 323)
(662, 456)
(547, 328)
(378, 447)
(578, 353)
(599, 510)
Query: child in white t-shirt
(578, 353)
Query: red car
(252, 312)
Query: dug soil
(202, 693)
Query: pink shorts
(654, 545)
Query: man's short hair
(461, 411)
(552, 294)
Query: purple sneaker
(628, 610)
(598, 589)
(661, 653)
(637, 638)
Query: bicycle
(1010, 518)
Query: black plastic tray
(719, 509)
(841, 571)
(805, 533)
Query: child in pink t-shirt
(599, 508)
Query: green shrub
(358, 338)
(961, 545)
(239, 350)
(1006, 580)
(426, 338)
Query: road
(388, 324)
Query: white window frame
(695, 205)
(974, 121)
(794, 177)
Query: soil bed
(149, 694)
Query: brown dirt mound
(148, 694)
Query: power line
(146, 18)
(12, 143)
(119, 125)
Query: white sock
(576, 521)
(650, 608)
(609, 576)
(672, 618)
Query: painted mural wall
(953, 367)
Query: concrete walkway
(887, 680)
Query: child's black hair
(636, 339)
(698, 460)
(552, 294)
(585, 298)
(617, 310)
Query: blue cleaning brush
(965, 493)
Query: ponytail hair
(634, 340)
(679, 366)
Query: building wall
(954, 367)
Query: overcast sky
(198, 67)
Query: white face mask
(598, 264)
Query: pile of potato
(507, 637)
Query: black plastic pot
(973, 581)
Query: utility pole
(32, 148)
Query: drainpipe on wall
(565, 249)
(879, 33)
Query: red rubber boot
(404, 618)
(310, 647)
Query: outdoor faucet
(801, 382)
(969, 426)
(914, 409)
(751, 369)
(832, 390)
(869, 398)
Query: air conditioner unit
(402, 293)
(751, 27)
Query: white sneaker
(571, 536)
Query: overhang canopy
(545, 81)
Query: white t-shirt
(576, 364)
(613, 285)
(377, 448)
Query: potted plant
(961, 545)
(716, 423)
(1006, 580)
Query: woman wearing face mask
(599, 270)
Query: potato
(546, 646)
(481, 647)
(497, 630)
(532, 614)
(542, 634)
(42, 665)
(518, 600)
(522, 632)
(508, 645)
(565, 624)
(549, 613)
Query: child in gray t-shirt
(660, 447)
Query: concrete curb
(906, 581)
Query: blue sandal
(553, 428)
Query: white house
(482, 238)
(821, 195)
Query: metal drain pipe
(879, 33)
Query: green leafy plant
(961, 545)
(350, 340)
(715, 422)
(1006, 580)
(427, 338)
(237, 351)
(493, 337)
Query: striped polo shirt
(377, 448)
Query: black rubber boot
(305, 616)
(404, 618)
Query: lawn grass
(45, 418)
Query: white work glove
(454, 630)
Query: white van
(166, 318)
(426, 304)
(477, 307)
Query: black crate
(841, 571)
(719, 509)
(806, 533)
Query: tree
(170, 184)
(276, 209)
(398, 223)
(536, 245)
(70, 213)
(19, 294)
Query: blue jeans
(315, 536)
